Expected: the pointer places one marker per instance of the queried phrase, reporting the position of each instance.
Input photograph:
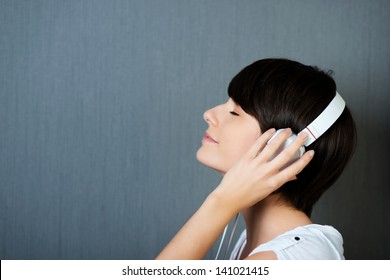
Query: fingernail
(310, 153)
(303, 135)
(272, 130)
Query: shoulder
(307, 242)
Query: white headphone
(314, 130)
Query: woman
(274, 194)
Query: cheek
(239, 141)
(235, 149)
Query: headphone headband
(325, 120)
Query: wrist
(220, 204)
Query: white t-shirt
(310, 242)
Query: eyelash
(234, 113)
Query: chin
(210, 161)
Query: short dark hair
(281, 93)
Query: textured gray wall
(101, 108)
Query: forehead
(236, 106)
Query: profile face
(230, 134)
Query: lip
(207, 138)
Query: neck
(268, 219)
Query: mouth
(207, 138)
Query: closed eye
(234, 113)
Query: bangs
(245, 90)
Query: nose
(210, 117)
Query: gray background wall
(101, 108)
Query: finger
(260, 143)
(273, 147)
(292, 178)
(295, 168)
(290, 153)
(298, 142)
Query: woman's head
(280, 93)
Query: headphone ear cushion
(289, 140)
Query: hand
(250, 180)
(256, 175)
